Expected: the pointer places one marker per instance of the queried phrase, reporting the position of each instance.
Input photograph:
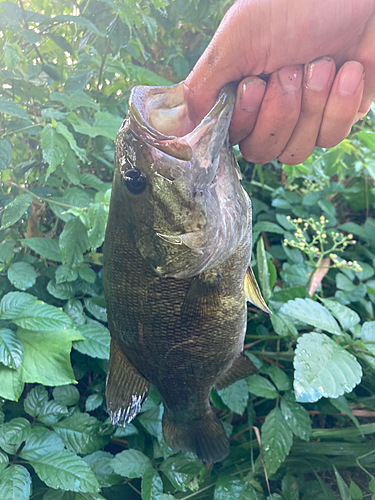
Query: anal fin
(242, 367)
(252, 291)
(126, 389)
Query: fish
(177, 272)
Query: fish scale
(176, 269)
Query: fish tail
(206, 437)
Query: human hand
(304, 103)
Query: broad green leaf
(87, 274)
(14, 303)
(354, 491)
(290, 488)
(64, 273)
(47, 356)
(75, 100)
(343, 488)
(74, 309)
(346, 316)
(73, 242)
(152, 485)
(40, 442)
(263, 274)
(230, 488)
(11, 384)
(64, 131)
(35, 400)
(16, 209)
(151, 421)
(341, 403)
(96, 307)
(235, 396)
(64, 469)
(68, 495)
(80, 433)
(77, 82)
(312, 313)
(268, 227)
(278, 377)
(13, 109)
(52, 412)
(96, 340)
(22, 275)
(107, 124)
(6, 252)
(5, 153)
(323, 368)
(181, 470)
(15, 431)
(11, 348)
(61, 291)
(100, 463)
(277, 439)
(130, 463)
(93, 402)
(297, 418)
(261, 387)
(15, 483)
(97, 216)
(283, 325)
(66, 394)
(46, 247)
(4, 460)
(54, 147)
(43, 317)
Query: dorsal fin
(252, 291)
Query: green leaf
(15, 432)
(63, 273)
(277, 440)
(263, 274)
(52, 412)
(346, 316)
(80, 433)
(297, 418)
(268, 227)
(152, 485)
(354, 491)
(77, 82)
(54, 148)
(5, 154)
(75, 100)
(343, 489)
(73, 242)
(15, 210)
(14, 303)
(181, 470)
(96, 307)
(64, 131)
(278, 377)
(312, 313)
(68, 495)
(4, 461)
(22, 275)
(97, 340)
(229, 488)
(66, 394)
(283, 325)
(13, 109)
(62, 291)
(323, 368)
(35, 400)
(151, 421)
(130, 463)
(11, 348)
(15, 483)
(100, 463)
(97, 216)
(235, 396)
(87, 274)
(40, 442)
(64, 469)
(261, 387)
(43, 317)
(47, 356)
(93, 402)
(107, 125)
(341, 403)
(290, 488)
(45, 247)
(11, 384)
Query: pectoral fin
(252, 291)
(242, 367)
(126, 389)
(203, 297)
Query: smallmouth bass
(177, 267)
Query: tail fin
(206, 438)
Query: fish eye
(134, 180)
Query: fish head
(175, 182)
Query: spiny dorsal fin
(126, 389)
(242, 367)
(252, 291)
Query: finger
(318, 79)
(249, 97)
(342, 105)
(277, 117)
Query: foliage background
(66, 72)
